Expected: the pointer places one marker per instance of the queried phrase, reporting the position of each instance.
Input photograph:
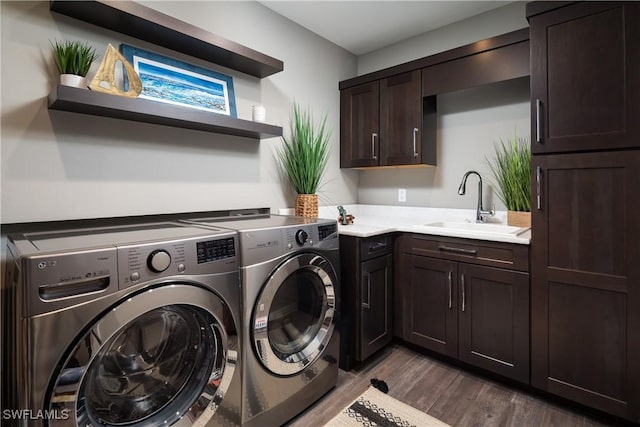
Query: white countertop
(372, 220)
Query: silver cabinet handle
(539, 187)
(415, 142)
(457, 250)
(450, 280)
(367, 303)
(538, 128)
(463, 295)
(373, 146)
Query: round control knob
(159, 260)
(301, 237)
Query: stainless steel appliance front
(122, 326)
(289, 273)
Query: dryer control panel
(316, 236)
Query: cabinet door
(585, 77)
(401, 119)
(493, 313)
(586, 279)
(359, 126)
(431, 302)
(376, 304)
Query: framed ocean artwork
(176, 82)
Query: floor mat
(374, 408)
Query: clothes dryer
(289, 274)
(132, 326)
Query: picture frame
(179, 83)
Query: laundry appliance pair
(204, 322)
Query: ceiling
(362, 26)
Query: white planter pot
(73, 80)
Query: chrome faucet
(480, 212)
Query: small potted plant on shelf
(73, 59)
(303, 159)
(511, 178)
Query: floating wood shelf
(144, 23)
(83, 101)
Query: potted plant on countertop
(73, 59)
(511, 178)
(303, 159)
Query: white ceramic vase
(73, 80)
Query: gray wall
(489, 24)
(469, 121)
(58, 165)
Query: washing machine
(289, 274)
(134, 326)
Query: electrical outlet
(402, 194)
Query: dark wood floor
(446, 392)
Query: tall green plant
(73, 57)
(511, 173)
(304, 154)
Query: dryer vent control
(159, 260)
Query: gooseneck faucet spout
(480, 212)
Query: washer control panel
(204, 255)
(158, 260)
(213, 250)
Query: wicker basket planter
(307, 205)
(519, 219)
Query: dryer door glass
(295, 314)
(162, 357)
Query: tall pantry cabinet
(585, 294)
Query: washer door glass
(295, 314)
(138, 373)
(163, 357)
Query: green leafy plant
(511, 172)
(73, 57)
(303, 156)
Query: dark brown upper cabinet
(401, 125)
(585, 76)
(360, 125)
(585, 291)
(388, 117)
(383, 123)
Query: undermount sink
(477, 227)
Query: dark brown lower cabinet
(493, 330)
(431, 303)
(375, 306)
(367, 300)
(476, 313)
(586, 279)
